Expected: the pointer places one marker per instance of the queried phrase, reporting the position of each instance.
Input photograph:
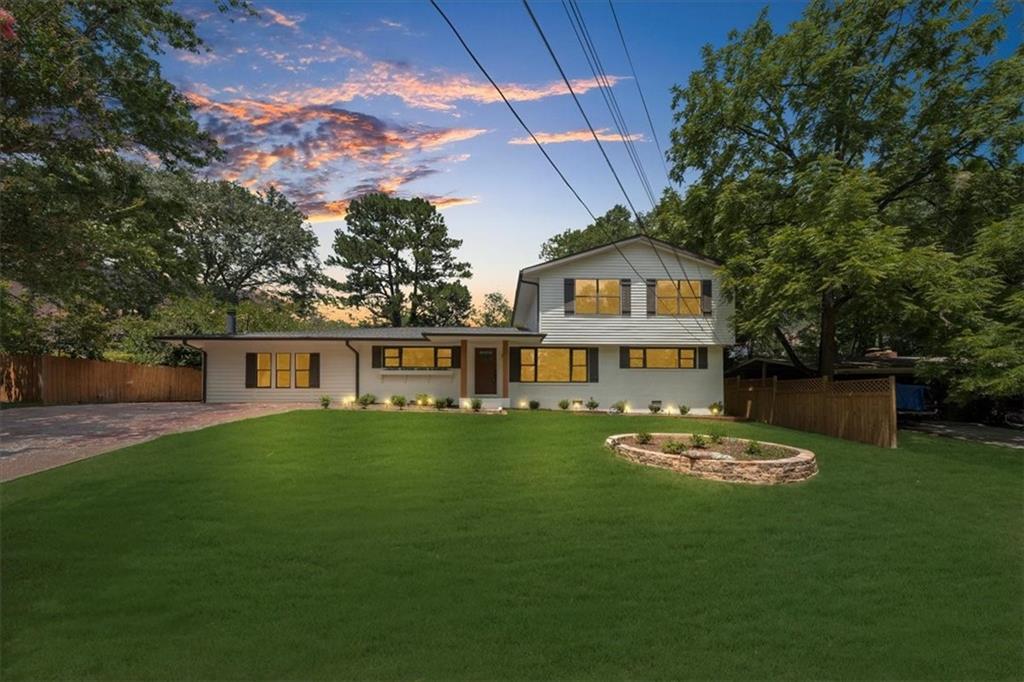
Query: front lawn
(332, 544)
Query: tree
(246, 242)
(616, 224)
(446, 305)
(899, 101)
(496, 311)
(400, 262)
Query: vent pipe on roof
(231, 324)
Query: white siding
(225, 372)
(695, 388)
(638, 329)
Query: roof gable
(595, 250)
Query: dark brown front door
(485, 371)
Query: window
(598, 297)
(283, 370)
(262, 370)
(417, 357)
(678, 297)
(302, 366)
(553, 365)
(664, 358)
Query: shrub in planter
(325, 401)
(698, 441)
(673, 447)
(423, 399)
(655, 408)
(367, 399)
(592, 404)
(563, 404)
(643, 437)
(753, 449)
(450, 402)
(398, 401)
(619, 407)
(534, 404)
(715, 437)
(684, 409)
(476, 404)
(715, 408)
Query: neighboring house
(608, 323)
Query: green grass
(332, 544)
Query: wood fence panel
(860, 410)
(57, 380)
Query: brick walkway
(34, 439)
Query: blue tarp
(910, 398)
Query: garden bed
(729, 459)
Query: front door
(485, 371)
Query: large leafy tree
(250, 243)
(400, 262)
(837, 162)
(495, 312)
(617, 223)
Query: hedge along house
(636, 320)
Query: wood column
(504, 369)
(464, 361)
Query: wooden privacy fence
(863, 410)
(48, 379)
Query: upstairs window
(598, 297)
(684, 297)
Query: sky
(330, 100)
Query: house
(637, 320)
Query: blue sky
(329, 99)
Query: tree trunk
(793, 357)
(827, 340)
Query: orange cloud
(603, 134)
(283, 19)
(337, 210)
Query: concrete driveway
(34, 439)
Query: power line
(636, 79)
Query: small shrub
(673, 447)
(563, 404)
(325, 401)
(398, 401)
(423, 399)
(699, 441)
(476, 404)
(753, 449)
(534, 404)
(643, 437)
(655, 407)
(450, 402)
(592, 404)
(684, 409)
(715, 437)
(439, 405)
(367, 399)
(619, 407)
(716, 408)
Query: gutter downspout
(203, 352)
(356, 353)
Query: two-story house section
(650, 320)
(636, 321)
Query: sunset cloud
(280, 19)
(603, 134)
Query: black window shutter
(623, 357)
(705, 296)
(626, 291)
(314, 370)
(569, 296)
(652, 301)
(375, 357)
(592, 361)
(250, 370)
(514, 364)
(702, 358)
(456, 357)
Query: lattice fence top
(814, 385)
(861, 386)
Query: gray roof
(362, 334)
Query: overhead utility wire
(527, 128)
(575, 15)
(611, 167)
(636, 79)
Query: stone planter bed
(723, 461)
